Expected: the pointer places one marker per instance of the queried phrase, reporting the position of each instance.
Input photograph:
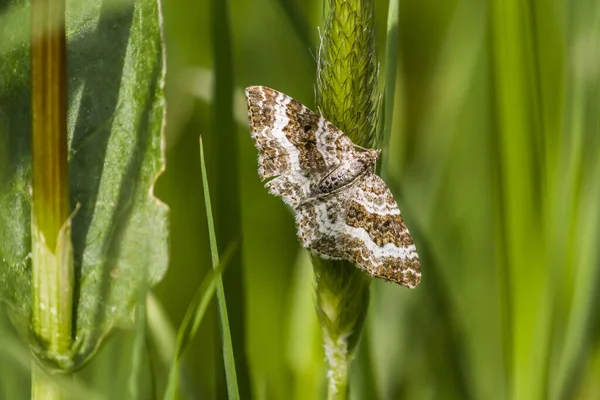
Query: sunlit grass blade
(522, 198)
(578, 196)
(583, 315)
(229, 361)
(191, 321)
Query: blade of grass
(226, 190)
(583, 315)
(230, 373)
(191, 321)
(578, 193)
(391, 70)
(523, 197)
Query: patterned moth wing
(343, 210)
(290, 137)
(362, 225)
(293, 143)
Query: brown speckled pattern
(343, 210)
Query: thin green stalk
(342, 301)
(347, 96)
(391, 70)
(191, 322)
(42, 387)
(226, 190)
(230, 373)
(52, 254)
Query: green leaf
(115, 124)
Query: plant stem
(346, 96)
(337, 376)
(52, 257)
(342, 301)
(42, 387)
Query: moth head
(370, 156)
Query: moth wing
(289, 137)
(362, 225)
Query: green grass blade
(522, 199)
(391, 70)
(230, 373)
(578, 192)
(224, 172)
(191, 321)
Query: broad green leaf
(115, 123)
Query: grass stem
(347, 96)
(52, 262)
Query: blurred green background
(493, 160)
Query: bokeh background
(493, 160)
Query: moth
(343, 210)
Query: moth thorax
(346, 173)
